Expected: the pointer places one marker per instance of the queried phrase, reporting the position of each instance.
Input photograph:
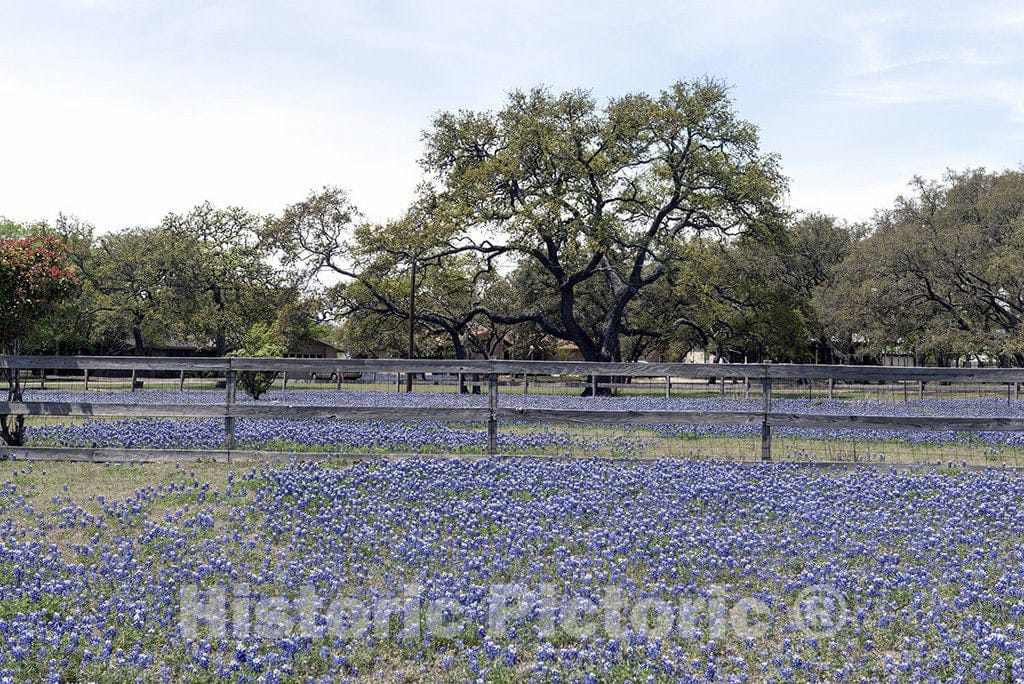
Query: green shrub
(260, 342)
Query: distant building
(900, 360)
(313, 348)
(168, 347)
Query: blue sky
(119, 111)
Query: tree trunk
(461, 353)
(140, 346)
(12, 428)
(220, 339)
(597, 353)
(609, 349)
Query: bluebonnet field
(370, 436)
(928, 567)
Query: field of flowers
(510, 570)
(375, 436)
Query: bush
(34, 278)
(260, 342)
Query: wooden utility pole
(412, 322)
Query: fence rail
(487, 374)
(777, 371)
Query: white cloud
(127, 110)
(970, 54)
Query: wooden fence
(487, 373)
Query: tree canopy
(35, 276)
(644, 226)
(942, 272)
(601, 200)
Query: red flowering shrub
(34, 276)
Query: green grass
(86, 481)
(47, 603)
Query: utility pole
(412, 325)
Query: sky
(120, 111)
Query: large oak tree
(941, 274)
(600, 201)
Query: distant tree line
(645, 225)
(200, 280)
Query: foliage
(601, 201)
(260, 341)
(200, 279)
(320, 235)
(129, 273)
(752, 298)
(645, 226)
(65, 326)
(13, 230)
(298, 321)
(221, 280)
(34, 277)
(941, 273)
(446, 292)
(314, 235)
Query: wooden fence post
(42, 378)
(230, 443)
(1016, 390)
(766, 429)
(746, 386)
(133, 379)
(492, 420)
(181, 381)
(668, 386)
(86, 379)
(398, 381)
(526, 383)
(920, 389)
(341, 376)
(284, 381)
(593, 385)
(831, 388)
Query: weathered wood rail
(486, 373)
